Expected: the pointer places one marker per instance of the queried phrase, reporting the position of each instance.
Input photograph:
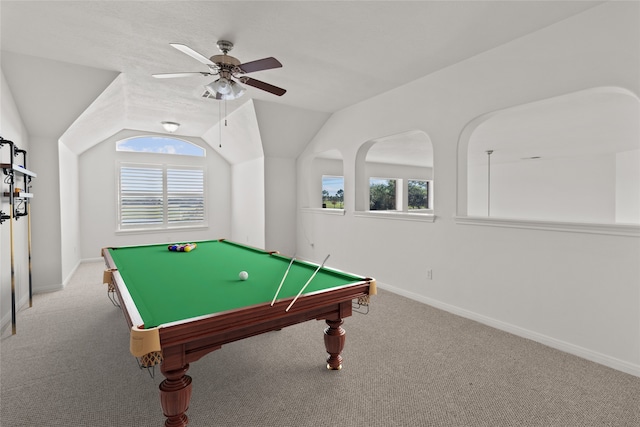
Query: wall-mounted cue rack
(18, 178)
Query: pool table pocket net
(145, 346)
(144, 343)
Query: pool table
(181, 306)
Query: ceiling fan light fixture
(225, 89)
(170, 127)
(236, 90)
(221, 86)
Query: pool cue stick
(308, 281)
(13, 259)
(28, 211)
(283, 279)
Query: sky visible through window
(161, 145)
(382, 181)
(332, 184)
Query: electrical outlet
(430, 274)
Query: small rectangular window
(382, 194)
(332, 192)
(418, 194)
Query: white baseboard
(594, 356)
(67, 279)
(5, 322)
(54, 287)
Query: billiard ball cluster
(184, 247)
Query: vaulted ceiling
(81, 70)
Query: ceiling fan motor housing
(225, 46)
(225, 59)
(228, 66)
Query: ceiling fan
(227, 68)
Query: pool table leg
(175, 394)
(334, 337)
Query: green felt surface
(168, 286)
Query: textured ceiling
(334, 54)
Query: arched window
(573, 158)
(160, 145)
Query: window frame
(429, 185)
(322, 191)
(397, 196)
(158, 150)
(166, 224)
(402, 196)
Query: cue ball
(243, 275)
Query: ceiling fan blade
(260, 64)
(264, 86)
(192, 53)
(173, 75)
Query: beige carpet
(405, 364)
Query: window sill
(630, 230)
(199, 227)
(402, 216)
(323, 211)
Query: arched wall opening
(398, 165)
(572, 158)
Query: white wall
(280, 204)
(574, 291)
(580, 189)
(98, 182)
(69, 212)
(45, 215)
(628, 187)
(262, 220)
(284, 132)
(247, 203)
(12, 128)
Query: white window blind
(160, 196)
(185, 195)
(141, 196)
